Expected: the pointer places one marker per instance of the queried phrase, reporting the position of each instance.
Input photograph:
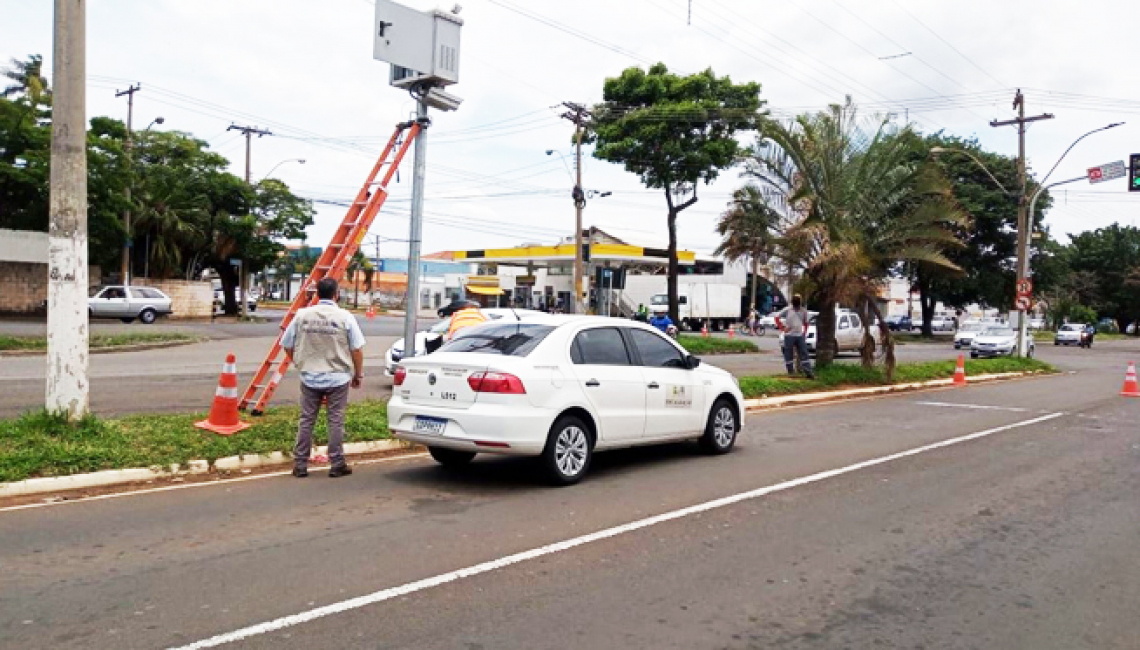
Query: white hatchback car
(998, 340)
(561, 388)
(1069, 334)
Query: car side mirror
(692, 362)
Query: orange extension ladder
(333, 261)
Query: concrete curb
(138, 347)
(757, 405)
(230, 463)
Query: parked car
(997, 341)
(1036, 324)
(220, 301)
(561, 388)
(848, 332)
(942, 323)
(967, 332)
(128, 303)
(1069, 334)
(899, 323)
(437, 331)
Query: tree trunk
(229, 278)
(755, 278)
(926, 301)
(825, 334)
(674, 306)
(867, 350)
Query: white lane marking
(187, 486)
(485, 567)
(979, 407)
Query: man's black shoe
(340, 470)
(300, 472)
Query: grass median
(35, 343)
(699, 345)
(43, 444)
(839, 376)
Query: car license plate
(434, 426)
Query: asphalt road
(183, 378)
(1019, 531)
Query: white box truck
(714, 305)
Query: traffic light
(1134, 173)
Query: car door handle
(655, 385)
(593, 383)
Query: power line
(948, 44)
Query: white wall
(23, 246)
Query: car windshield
(971, 327)
(657, 300)
(94, 291)
(1072, 328)
(998, 331)
(505, 339)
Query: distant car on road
(1069, 334)
(561, 388)
(967, 333)
(942, 324)
(899, 323)
(997, 341)
(1036, 324)
(220, 300)
(128, 303)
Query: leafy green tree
(1106, 261)
(987, 260)
(750, 229)
(866, 206)
(29, 80)
(675, 132)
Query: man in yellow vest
(466, 317)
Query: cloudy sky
(304, 70)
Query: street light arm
(979, 163)
(1103, 128)
(296, 160)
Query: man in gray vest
(794, 321)
(327, 346)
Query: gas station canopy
(596, 252)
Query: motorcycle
(1087, 339)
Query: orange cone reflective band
(371, 313)
(730, 335)
(960, 372)
(705, 331)
(223, 418)
(1131, 389)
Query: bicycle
(755, 328)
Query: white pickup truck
(714, 305)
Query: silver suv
(128, 303)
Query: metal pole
(415, 232)
(243, 282)
(125, 271)
(579, 292)
(67, 324)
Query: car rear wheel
(148, 316)
(568, 451)
(721, 429)
(451, 457)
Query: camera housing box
(423, 47)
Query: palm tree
(29, 80)
(864, 207)
(749, 228)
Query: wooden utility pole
(1023, 228)
(125, 270)
(243, 279)
(578, 114)
(67, 322)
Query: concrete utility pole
(243, 278)
(1023, 227)
(125, 271)
(578, 114)
(67, 325)
(416, 229)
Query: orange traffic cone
(1131, 389)
(705, 330)
(960, 372)
(731, 335)
(371, 313)
(223, 418)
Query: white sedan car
(437, 331)
(1069, 334)
(997, 341)
(561, 388)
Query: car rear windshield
(504, 339)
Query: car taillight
(496, 382)
(400, 376)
